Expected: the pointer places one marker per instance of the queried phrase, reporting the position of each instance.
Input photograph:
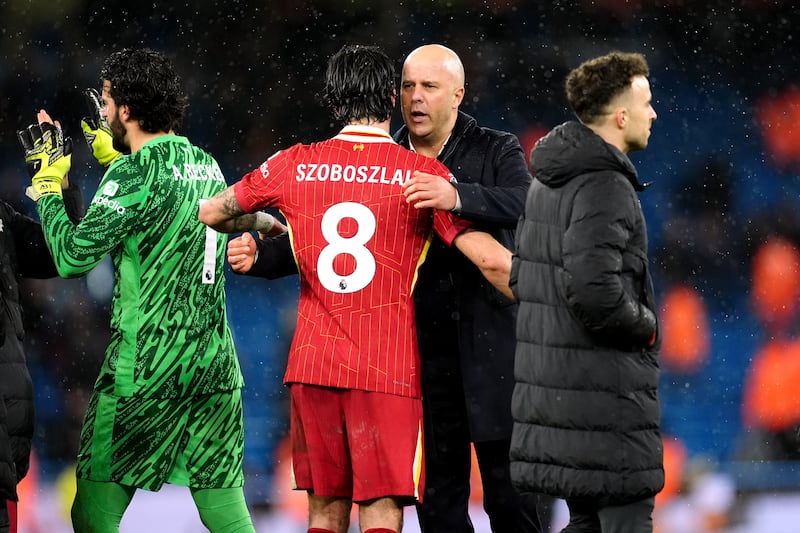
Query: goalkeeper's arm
(73, 201)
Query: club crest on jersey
(264, 168)
(359, 147)
(110, 188)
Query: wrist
(103, 149)
(457, 206)
(43, 187)
(264, 222)
(106, 157)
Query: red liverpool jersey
(358, 246)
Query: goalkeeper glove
(96, 131)
(48, 156)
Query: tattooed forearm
(244, 222)
(230, 205)
(220, 211)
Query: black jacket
(274, 258)
(493, 179)
(23, 253)
(585, 406)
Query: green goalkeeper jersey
(169, 332)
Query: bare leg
(329, 513)
(381, 513)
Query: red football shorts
(356, 444)
(11, 522)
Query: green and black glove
(48, 156)
(96, 131)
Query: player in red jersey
(353, 369)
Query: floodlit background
(722, 211)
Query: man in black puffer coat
(585, 403)
(23, 253)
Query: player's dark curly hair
(359, 84)
(147, 83)
(595, 83)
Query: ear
(621, 117)
(124, 113)
(458, 96)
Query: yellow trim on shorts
(418, 458)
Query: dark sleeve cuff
(73, 203)
(275, 258)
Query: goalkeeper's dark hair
(595, 83)
(147, 83)
(360, 84)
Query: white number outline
(364, 272)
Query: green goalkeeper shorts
(196, 442)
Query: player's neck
(138, 138)
(610, 134)
(372, 122)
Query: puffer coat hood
(571, 150)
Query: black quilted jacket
(23, 253)
(585, 404)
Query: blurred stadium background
(722, 210)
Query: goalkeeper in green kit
(166, 406)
